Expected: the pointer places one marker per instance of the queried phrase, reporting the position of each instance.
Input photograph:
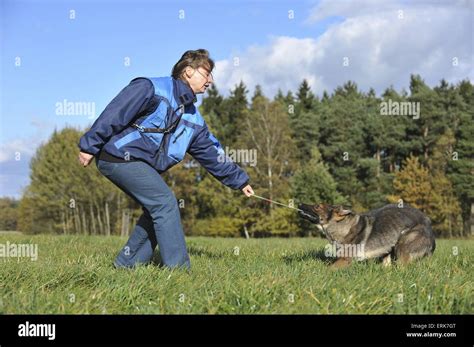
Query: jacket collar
(183, 93)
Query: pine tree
(257, 93)
(314, 184)
(233, 109)
(304, 120)
(461, 166)
(424, 131)
(212, 111)
(305, 96)
(412, 185)
(341, 137)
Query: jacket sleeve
(133, 99)
(207, 150)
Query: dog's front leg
(341, 263)
(387, 260)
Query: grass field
(73, 274)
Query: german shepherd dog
(402, 233)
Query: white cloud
(25, 146)
(15, 157)
(19, 147)
(384, 46)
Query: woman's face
(198, 79)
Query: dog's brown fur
(401, 233)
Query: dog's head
(330, 219)
(323, 213)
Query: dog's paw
(340, 263)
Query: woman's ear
(188, 71)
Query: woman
(145, 130)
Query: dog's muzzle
(308, 213)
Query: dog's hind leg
(416, 243)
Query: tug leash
(277, 203)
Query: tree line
(350, 147)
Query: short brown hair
(193, 58)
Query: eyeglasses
(209, 75)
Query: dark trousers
(160, 223)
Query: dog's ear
(343, 211)
(340, 213)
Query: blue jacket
(158, 103)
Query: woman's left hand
(248, 191)
(85, 158)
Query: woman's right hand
(85, 158)
(248, 191)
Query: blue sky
(82, 59)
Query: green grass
(73, 274)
